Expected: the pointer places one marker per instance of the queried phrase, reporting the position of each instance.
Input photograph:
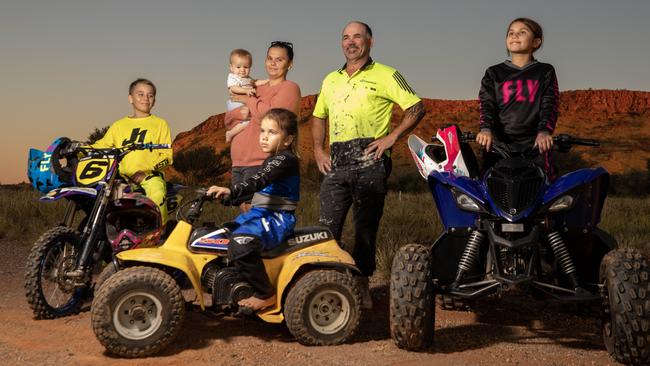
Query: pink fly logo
(532, 86)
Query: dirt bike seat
(301, 238)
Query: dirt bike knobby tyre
(323, 308)
(412, 299)
(133, 295)
(51, 241)
(626, 303)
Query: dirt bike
(64, 260)
(140, 309)
(511, 230)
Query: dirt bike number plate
(91, 170)
(512, 228)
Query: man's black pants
(364, 190)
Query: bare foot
(257, 303)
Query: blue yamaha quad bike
(513, 230)
(65, 260)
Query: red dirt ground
(514, 332)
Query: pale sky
(65, 65)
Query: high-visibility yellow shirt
(360, 106)
(147, 130)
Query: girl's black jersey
(519, 101)
(276, 185)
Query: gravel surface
(516, 332)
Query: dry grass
(408, 218)
(23, 217)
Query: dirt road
(503, 334)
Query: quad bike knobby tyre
(450, 303)
(137, 312)
(323, 308)
(49, 293)
(412, 301)
(626, 305)
(104, 275)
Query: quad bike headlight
(563, 203)
(465, 202)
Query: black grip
(570, 140)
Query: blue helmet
(44, 169)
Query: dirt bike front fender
(282, 270)
(173, 254)
(66, 192)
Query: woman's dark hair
(142, 81)
(288, 122)
(287, 46)
(534, 27)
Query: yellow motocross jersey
(147, 130)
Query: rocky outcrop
(619, 118)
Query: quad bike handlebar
(196, 205)
(562, 143)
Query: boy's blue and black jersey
(276, 186)
(518, 101)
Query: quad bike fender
(452, 217)
(575, 179)
(59, 193)
(589, 188)
(282, 270)
(173, 254)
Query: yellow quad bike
(140, 309)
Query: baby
(240, 83)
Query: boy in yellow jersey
(142, 167)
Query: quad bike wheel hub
(137, 315)
(329, 312)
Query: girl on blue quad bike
(519, 98)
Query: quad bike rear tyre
(104, 275)
(626, 306)
(323, 308)
(412, 298)
(137, 312)
(51, 256)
